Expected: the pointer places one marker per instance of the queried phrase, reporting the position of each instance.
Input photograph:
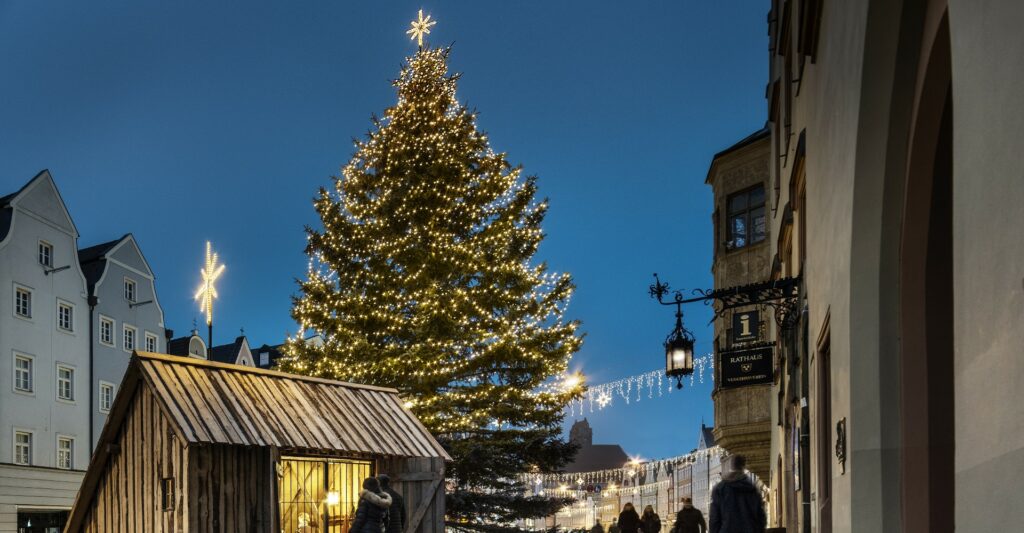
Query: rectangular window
(23, 302)
(65, 452)
(129, 289)
(65, 317)
(167, 493)
(22, 373)
(32, 520)
(746, 218)
(106, 331)
(22, 448)
(150, 342)
(45, 254)
(106, 396)
(65, 383)
(129, 338)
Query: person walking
(396, 513)
(736, 503)
(629, 520)
(650, 522)
(614, 528)
(689, 519)
(372, 511)
(598, 528)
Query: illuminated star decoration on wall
(420, 28)
(207, 290)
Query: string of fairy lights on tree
(633, 389)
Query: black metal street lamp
(679, 352)
(679, 343)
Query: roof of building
(6, 211)
(6, 214)
(179, 346)
(217, 403)
(707, 436)
(597, 457)
(6, 200)
(226, 353)
(274, 351)
(93, 260)
(746, 141)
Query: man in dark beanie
(396, 516)
(736, 502)
(689, 519)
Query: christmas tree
(423, 279)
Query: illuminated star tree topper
(420, 27)
(208, 289)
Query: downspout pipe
(93, 301)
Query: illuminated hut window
(320, 494)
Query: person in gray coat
(736, 502)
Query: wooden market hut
(198, 446)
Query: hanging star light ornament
(207, 290)
(420, 28)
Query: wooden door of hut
(420, 481)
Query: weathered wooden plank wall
(128, 495)
(231, 488)
(420, 481)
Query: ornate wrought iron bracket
(782, 295)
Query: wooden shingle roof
(219, 403)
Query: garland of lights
(632, 389)
(632, 476)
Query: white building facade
(56, 370)
(125, 315)
(44, 346)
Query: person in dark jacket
(373, 508)
(598, 528)
(736, 502)
(689, 519)
(614, 528)
(650, 522)
(396, 514)
(629, 520)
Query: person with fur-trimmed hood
(372, 512)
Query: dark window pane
(757, 196)
(737, 202)
(757, 223)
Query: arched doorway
(926, 296)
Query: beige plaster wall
(988, 206)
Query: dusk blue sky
(187, 121)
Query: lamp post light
(679, 351)
(679, 343)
